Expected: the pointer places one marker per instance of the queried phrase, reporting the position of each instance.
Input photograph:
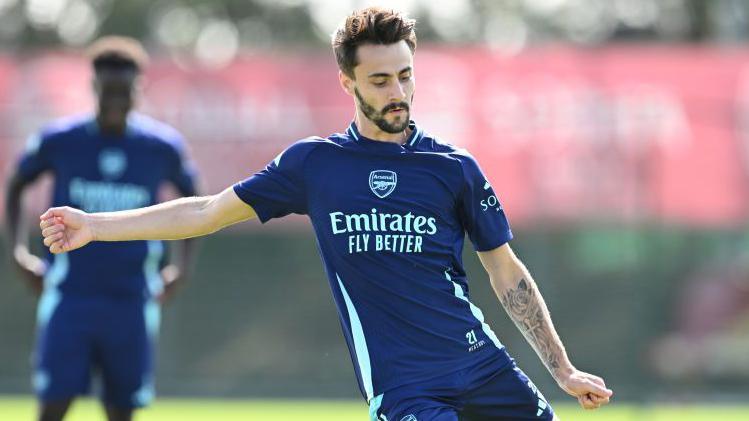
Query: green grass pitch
(23, 408)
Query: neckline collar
(92, 127)
(410, 144)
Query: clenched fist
(65, 229)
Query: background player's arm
(183, 177)
(177, 273)
(519, 295)
(31, 267)
(65, 229)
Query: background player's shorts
(477, 394)
(109, 337)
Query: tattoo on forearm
(526, 308)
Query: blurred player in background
(98, 309)
(390, 205)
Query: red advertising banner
(615, 134)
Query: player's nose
(397, 92)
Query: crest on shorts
(382, 182)
(112, 163)
(410, 417)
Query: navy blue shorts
(78, 338)
(479, 394)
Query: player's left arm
(519, 295)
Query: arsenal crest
(382, 182)
(112, 163)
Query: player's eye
(379, 84)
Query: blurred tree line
(199, 26)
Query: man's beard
(378, 117)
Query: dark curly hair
(372, 25)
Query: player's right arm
(65, 229)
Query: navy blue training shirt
(96, 172)
(390, 221)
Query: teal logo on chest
(112, 163)
(382, 182)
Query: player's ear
(346, 83)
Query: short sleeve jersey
(99, 173)
(390, 222)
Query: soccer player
(390, 205)
(98, 309)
